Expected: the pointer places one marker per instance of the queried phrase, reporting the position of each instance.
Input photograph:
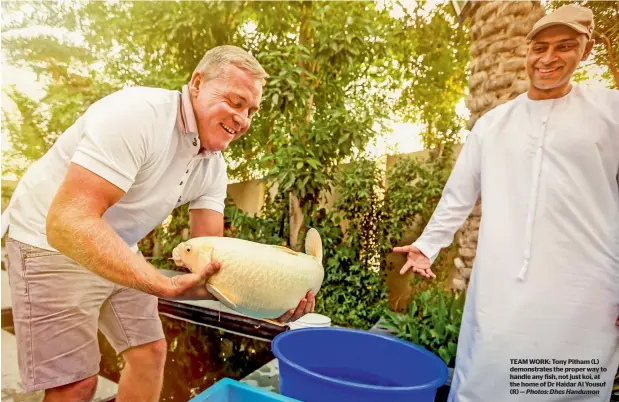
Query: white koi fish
(259, 280)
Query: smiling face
(552, 57)
(224, 106)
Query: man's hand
(191, 285)
(306, 305)
(416, 260)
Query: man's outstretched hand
(306, 305)
(190, 285)
(416, 261)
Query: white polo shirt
(142, 140)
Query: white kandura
(545, 281)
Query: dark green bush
(358, 230)
(432, 321)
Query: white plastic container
(311, 320)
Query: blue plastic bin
(339, 364)
(229, 390)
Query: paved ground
(266, 377)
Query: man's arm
(460, 194)
(206, 222)
(458, 199)
(76, 229)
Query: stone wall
(498, 52)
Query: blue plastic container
(339, 364)
(229, 390)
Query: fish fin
(220, 296)
(285, 249)
(313, 244)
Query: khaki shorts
(58, 306)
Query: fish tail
(313, 244)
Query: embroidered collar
(186, 121)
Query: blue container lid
(441, 367)
(229, 390)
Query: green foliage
(327, 97)
(267, 228)
(354, 292)
(36, 125)
(415, 187)
(432, 321)
(435, 50)
(353, 295)
(337, 69)
(376, 219)
(158, 244)
(358, 231)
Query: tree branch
(611, 58)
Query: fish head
(185, 254)
(193, 254)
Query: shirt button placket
(184, 178)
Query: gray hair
(216, 59)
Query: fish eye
(188, 248)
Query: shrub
(432, 321)
(358, 231)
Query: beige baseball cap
(576, 17)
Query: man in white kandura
(545, 284)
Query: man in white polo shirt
(541, 315)
(77, 215)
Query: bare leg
(142, 377)
(80, 391)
